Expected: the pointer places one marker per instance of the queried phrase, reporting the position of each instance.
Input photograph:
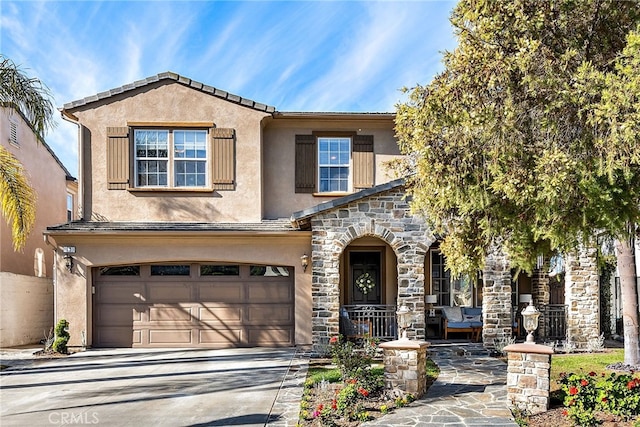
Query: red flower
(333, 340)
(573, 390)
(584, 383)
(352, 381)
(320, 407)
(631, 384)
(592, 374)
(334, 404)
(565, 412)
(605, 400)
(363, 391)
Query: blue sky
(293, 55)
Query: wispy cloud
(304, 55)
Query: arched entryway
(368, 289)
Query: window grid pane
(152, 152)
(333, 164)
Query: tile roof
(300, 217)
(175, 77)
(267, 226)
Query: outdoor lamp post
(530, 317)
(404, 319)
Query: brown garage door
(193, 305)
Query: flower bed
(353, 391)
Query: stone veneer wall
(582, 294)
(496, 299)
(528, 377)
(386, 216)
(541, 293)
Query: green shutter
(363, 162)
(306, 169)
(118, 165)
(223, 158)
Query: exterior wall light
(405, 318)
(430, 300)
(304, 261)
(68, 252)
(530, 317)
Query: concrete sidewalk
(164, 387)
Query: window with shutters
(334, 162)
(181, 158)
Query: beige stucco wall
(280, 199)
(171, 102)
(48, 179)
(26, 315)
(73, 290)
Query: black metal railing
(553, 322)
(375, 321)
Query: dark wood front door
(365, 277)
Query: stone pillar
(405, 367)
(582, 295)
(540, 294)
(528, 372)
(496, 299)
(411, 289)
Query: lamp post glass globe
(530, 317)
(404, 319)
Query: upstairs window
(170, 158)
(196, 157)
(334, 156)
(333, 162)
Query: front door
(365, 277)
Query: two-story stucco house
(207, 219)
(26, 289)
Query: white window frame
(172, 158)
(340, 164)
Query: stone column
(582, 295)
(411, 288)
(496, 299)
(528, 373)
(541, 293)
(405, 367)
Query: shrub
(62, 336)
(587, 393)
(353, 360)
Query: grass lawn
(587, 362)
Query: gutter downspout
(72, 119)
(54, 277)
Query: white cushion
(453, 314)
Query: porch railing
(377, 321)
(553, 321)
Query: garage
(193, 305)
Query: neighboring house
(26, 288)
(208, 219)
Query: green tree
(526, 138)
(32, 98)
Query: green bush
(352, 360)
(62, 336)
(585, 394)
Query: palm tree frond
(18, 198)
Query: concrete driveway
(153, 387)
